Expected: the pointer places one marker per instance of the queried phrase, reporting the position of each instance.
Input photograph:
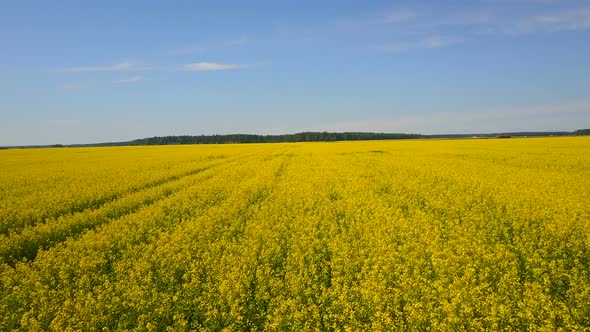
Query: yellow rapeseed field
(384, 235)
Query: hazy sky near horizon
(83, 72)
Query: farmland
(381, 235)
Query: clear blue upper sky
(80, 72)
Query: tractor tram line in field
(122, 230)
(108, 198)
(25, 244)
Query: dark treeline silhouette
(244, 138)
(506, 134)
(328, 137)
(305, 137)
(581, 132)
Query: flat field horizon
(464, 234)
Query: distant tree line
(303, 137)
(244, 138)
(582, 132)
(325, 137)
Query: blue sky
(82, 72)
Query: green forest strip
(306, 137)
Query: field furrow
(10, 223)
(26, 243)
(128, 233)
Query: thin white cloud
(124, 66)
(487, 20)
(133, 79)
(211, 66)
(431, 42)
(577, 19)
(430, 22)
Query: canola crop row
(37, 190)
(384, 235)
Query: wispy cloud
(133, 79)
(116, 67)
(429, 22)
(488, 20)
(431, 42)
(211, 66)
(576, 19)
